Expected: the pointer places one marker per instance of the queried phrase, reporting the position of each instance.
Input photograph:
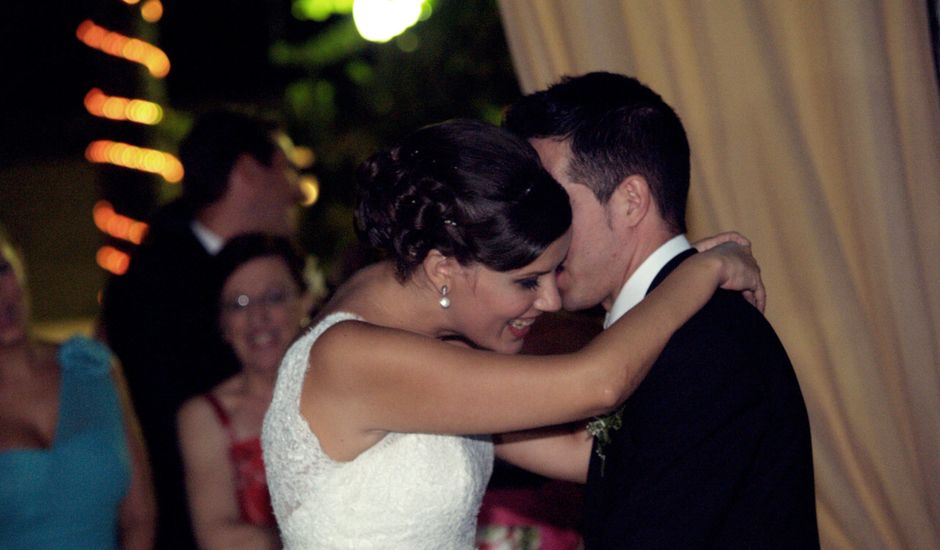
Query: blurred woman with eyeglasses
(263, 304)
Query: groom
(713, 449)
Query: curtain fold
(815, 130)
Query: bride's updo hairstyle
(468, 189)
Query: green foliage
(350, 97)
(320, 10)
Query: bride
(376, 435)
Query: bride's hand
(727, 236)
(739, 271)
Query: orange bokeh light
(117, 225)
(310, 187)
(302, 156)
(121, 108)
(136, 158)
(151, 11)
(118, 45)
(113, 260)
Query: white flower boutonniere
(601, 429)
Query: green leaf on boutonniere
(601, 429)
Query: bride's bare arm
(558, 452)
(563, 452)
(756, 296)
(369, 379)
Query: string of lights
(121, 108)
(118, 45)
(126, 110)
(137, 158)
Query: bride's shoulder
(343, 331)
(350, 342)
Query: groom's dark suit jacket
(714, 451)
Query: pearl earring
(444, 301)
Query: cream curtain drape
(815, 130)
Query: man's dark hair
(212, 147)
(616, 127)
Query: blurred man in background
(159, 317)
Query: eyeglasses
(272, 298)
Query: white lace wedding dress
(408, 491)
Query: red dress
(251, 487)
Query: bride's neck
(381, 299)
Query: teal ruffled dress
(67, 496)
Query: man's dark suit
(714, 451)
(160, 320)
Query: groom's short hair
(616, 127)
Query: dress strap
(223, 416)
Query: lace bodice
(408, 491)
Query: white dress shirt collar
(209, 240)
(639, 282)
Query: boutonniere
(601, 429)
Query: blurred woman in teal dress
(72, 468)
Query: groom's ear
(631, 201)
